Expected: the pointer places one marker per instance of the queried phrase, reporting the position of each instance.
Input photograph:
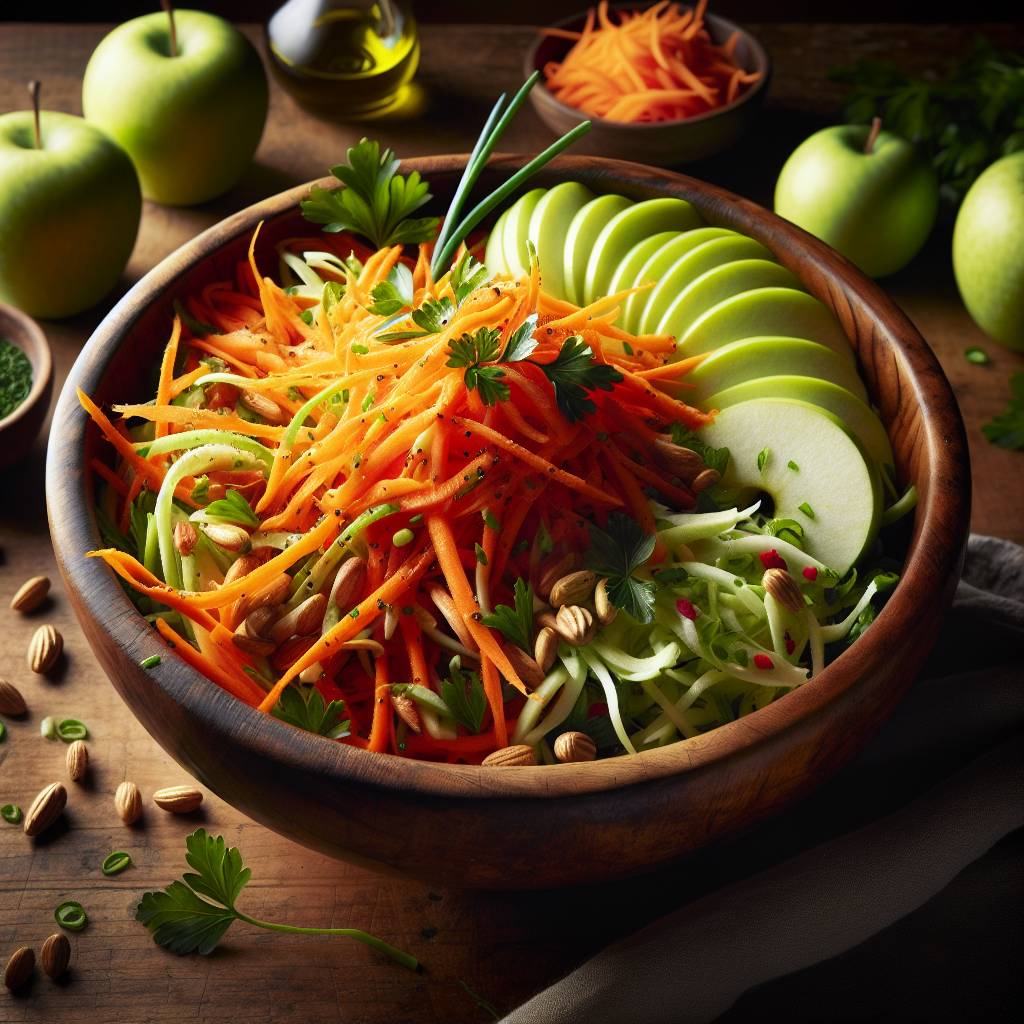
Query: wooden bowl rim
(29, 337)
(218, 712)
(541, 94)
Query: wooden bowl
(19, 430)
(522, 828)
(661, 144)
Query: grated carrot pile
(654, 65)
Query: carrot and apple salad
(654, 65)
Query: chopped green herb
(480, 556)
(332, 294)
(627, 348)
(976, 355)
(1007, 429)
(574, 375)
(306, 316)
(793, 466)
(467, 277)
(617, 552)
(490, 520)
(309, 713)
(521, 345)
(403, 537)
(232, 508)
(115, 863)
(807, 510)
(434, 317)
(11, 813)
(71, 915)
(15, 377)
(368, 401)
(185, 923)
(470, 351)
(151, 662)
(516, 624)
(464, 695)
(418, 518)
(71, 729)
(762, 458)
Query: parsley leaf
(617, 552)
(470, 352)
(394, 294)
(467, 277)
(1007, 429)
(332, 293)
(232, 508)
(487, 380)
(376, 201)
(714, 458)
(433, 317)
(574, 376)
(464, 695)
(310, 714)
(516, 624)
(521, 345)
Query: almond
(446, 606)
(242, 566)
(44, 649)
(784, 589)
(272, 593)
(255, 648)
(56, 955)
(573, 589)
(526, 668)
(348, 584)
(575, 625)
(683, 462)
(227, 536)
(554, 567)
(128, 802)
(606, 611)
(178, 799)
(544, 619)
(20, 968)
(406, 709)
(519, 756)
(45, 809)
(31, 594)
(305, 620)
(185, 538)
(263, 406)
(259, 623)
(705, 479)
(11, 700)
(545, 647)
(77, 760)
(574, 747)
(291, 650)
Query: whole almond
(526, 668)
(185, 538)
(11, 700)
(606, 611)
(271, 593)
(575, 746)
(45, 809)
(263, 406)
(227, 536)
(784, 589)
(407, 712)
(242, 566)
(77, 760)
(304, 620)
(31, 594)
(544, 620)
(545, 647)
(705, 479)
(575, 625)
(44, 649)
(259, 623)
(446, 606)
(56, 955)
(554, 567)
(683, 462)
(128, 802)
(348, 584)
(178, 799)
(575, 588)
(519, 756)
(255, 648)
(20, 968)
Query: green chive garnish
(807, 510)
(71, 729)
(793, 466)
(762, 458)
(116, 862)
(151, 662)
(403, 537)
(976, 355)
(71, 915)
(11, 813)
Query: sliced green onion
(807, 510)
(47, 727)
(11, 813)
(116, 862)
(976, 355)
(403, 537)
(71, 729)
(793, 466)
(762, 458)
(151, 662)
(71, 915)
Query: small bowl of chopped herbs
(26, 380)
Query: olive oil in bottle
(345, 57)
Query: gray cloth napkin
(940, 784)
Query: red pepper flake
(790, 645)
(810, 573)
(772, 560)
(686, 609)
(763, 661)
(597, 710)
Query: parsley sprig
(617, 552)
(516, 624)
(574, 375)
(309, 712)
(1007, 429)
(232, 508)
(182, 920)
(377, 201)
(471, 352)
(463, 694)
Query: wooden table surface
(504, 946)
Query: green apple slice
(549, 225)
(626, 271)
(494, 257)
(858, 417)
(762, 311)
(694, 264)
(623, 232)
(722, 283)
(656, 266)
(583, 232)
(752, 358)
(835, 494)
(516, 229)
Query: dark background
(541, 12)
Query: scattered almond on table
(45, 809)
(44, 649)
(31, 594)
(177, 799)
(77, 760)
(128, 802)
(11, 700)
(56, 955)
(20, 968)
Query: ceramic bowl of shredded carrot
(663, 84)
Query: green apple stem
(876, 127)
(166, 4)
(33, 91)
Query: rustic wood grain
(504, 946)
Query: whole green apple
(69, 213)
(190, 122)
(876, 208)
(988, 251)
